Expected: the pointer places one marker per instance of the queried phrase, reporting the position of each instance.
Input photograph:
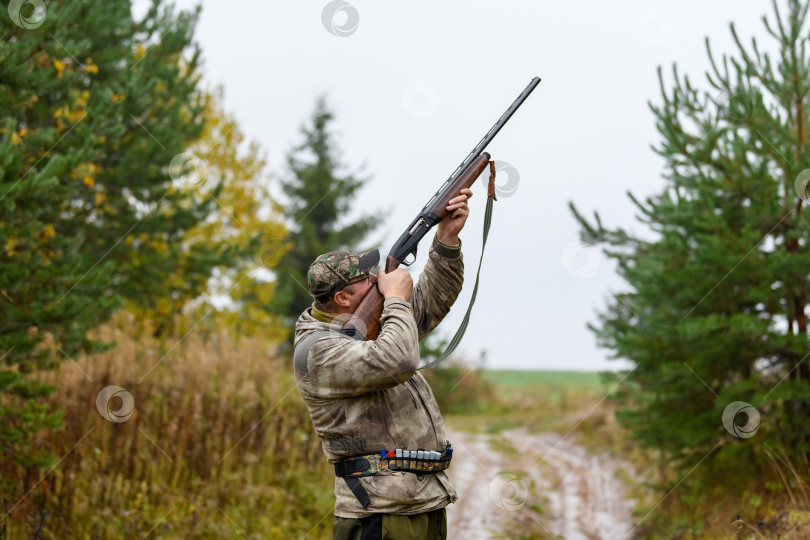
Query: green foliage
(23, 413)
(459, 388)
(432, 347)
(318, 209)
(716, 306)
(93, 107)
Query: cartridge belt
(416, 461)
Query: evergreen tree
(93, 108)
(319, 201)
(719, 295)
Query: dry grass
(219, 444)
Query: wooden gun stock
(365, 322)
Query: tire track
(584, 498)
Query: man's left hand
(451, 225)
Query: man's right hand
(398, 283)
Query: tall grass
(219, 445)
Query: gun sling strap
(487, 223)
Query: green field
(526, 378)
(535, 399)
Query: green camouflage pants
(427, 526)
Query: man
(365, 397)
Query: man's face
(347, 301)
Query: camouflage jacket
(366, 396)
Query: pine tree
(93, 108)
(319, 202)
(718, 298)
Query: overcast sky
(415, 85)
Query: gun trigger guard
(407, 262)
(491, 186)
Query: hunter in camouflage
(367, 396)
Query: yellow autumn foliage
(59, 66)
(47, 231)
(242, 215)
(140, 52)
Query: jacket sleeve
(438, 286)
(341, 366)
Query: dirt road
(501, 490)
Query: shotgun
(365, 322)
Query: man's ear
(340, 299)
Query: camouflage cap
(332, 271)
